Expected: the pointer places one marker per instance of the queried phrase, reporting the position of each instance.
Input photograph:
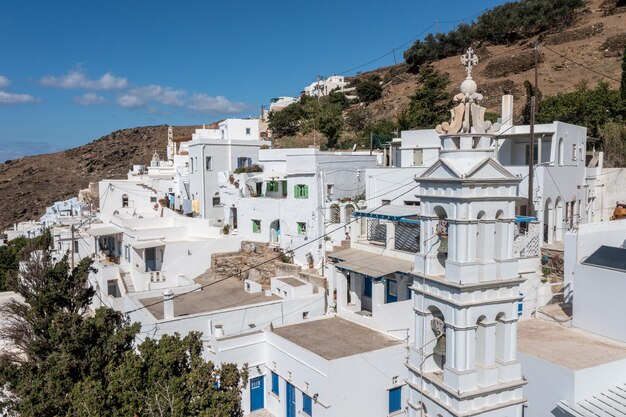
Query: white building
(300, 195)
(279, 103)
(215, 154)
(65, 212)
(325, 367)
(324, 87)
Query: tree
(330, 123)
(430, 103)
(9, 259)
(286, 122)
(61, 361)
(368, 89)
(622, 87)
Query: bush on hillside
(368, 89)
(503, 24)
(430, 104)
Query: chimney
(168, 304)
(507, 110)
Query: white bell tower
(466, 288)
(171, 146)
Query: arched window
(480, 237)
(348, 211)
(500, 335)
(500, 251)
(481, 341)
(124, 200)
(441, 228)
(335, 214)
(560, 152)
(438, 335)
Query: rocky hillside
(595, 40)
(32, 183)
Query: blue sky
(72, 71)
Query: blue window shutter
(307, 405)
(395, 399)
(275, 382)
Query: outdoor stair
(127, 281)
(187, 191)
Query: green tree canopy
(430, 104)
(62, 360)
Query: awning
(369, 264)
(147, 244)
(107, 230)
(525, 219)
(394, 213)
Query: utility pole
(371, 143)
(72, 246)
(531, 154)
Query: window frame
(208, 163)
(256, 226)
(301, 227)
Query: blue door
(291, 400)
(257, 399)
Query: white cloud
(140, 96)
(88, 99)
(10, 98)
(78, 79)
(4, 81)
(214, 105)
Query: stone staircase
(127, 281)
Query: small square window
(247, 130)
(301, 191)
(256, 226)
(153, 199)
(272, 186)
(275, 384)
(216, 202)
(208, 163)
(307, 405)
(301, 228)
(386, 202)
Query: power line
(413, 39)
(269, 260)
(581, 65)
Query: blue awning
(525, 219)
(394, 213)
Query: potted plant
(226, 229)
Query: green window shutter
(295, 192)
(299, 228)
(256, 226)
(305, 189)
(285, 188)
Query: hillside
(32, 183)
(596, 40)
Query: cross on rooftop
(469, 59)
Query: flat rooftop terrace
(570, 348)
(223, 294)
(335, 338)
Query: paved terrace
(335, 338)
(223, 294)
(571, 348)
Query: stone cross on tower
(469, 59)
